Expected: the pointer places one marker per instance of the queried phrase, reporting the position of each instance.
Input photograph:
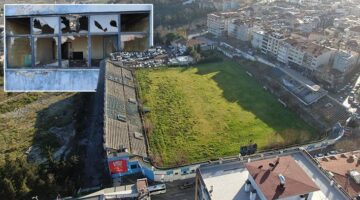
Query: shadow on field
(240, 88)
(56, 142)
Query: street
(174, 192)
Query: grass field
(209, 111)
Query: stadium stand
(123, 126)
(303, 89)
(330, 111)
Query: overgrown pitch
(209, 111)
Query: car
(187, 185)
(333, 152)
(319, 155)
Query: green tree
(8, 189)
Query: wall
(97, 44)
(324, 58)
(256, 40)
(45, 51)
(19, 52)
(80, 44)
(59, 80)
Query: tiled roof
(340, 165)
(297, 182)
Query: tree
(8, 191)
(193, 53)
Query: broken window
(74, 23)
(46, 52)
(134, 42)
(137, 22)
(74, 51)
(46, 25)
(104, 23)
(19, 52)
(17, 26)
(101, 47)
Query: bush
(210, 56)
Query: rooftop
(233, 175)
(340, 165)
(228, 180)
(309, 47)
(267, 177)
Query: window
(137, 22)
(19, 52)
(133, 166)
(101, 47)
(74, 51)
(104, 23)
(134, 42)
(46, 25)
(74, 24)
(46, 52)
(17, 26)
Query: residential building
(308, 24)
(291, 175)
(345, 61)
(289, 54)
(226, 5)
(240, 29)
(257, 38)
(59, 47)
(345, 170)
(267, 41)
(204, 43)
(305, 54)
(217, 23)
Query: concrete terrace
(122, 125)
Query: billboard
(118, 166)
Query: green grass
(29, 126)
(210, 110)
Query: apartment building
(305, 54)
(316, 56)
(59, 47)
(240, 29)
(267, 41)
(226, 5)
(308, 24)
(217, 23)
(289, 54)
(345, 61)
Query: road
(174, 192)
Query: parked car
(319, 155)
(333, 152)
